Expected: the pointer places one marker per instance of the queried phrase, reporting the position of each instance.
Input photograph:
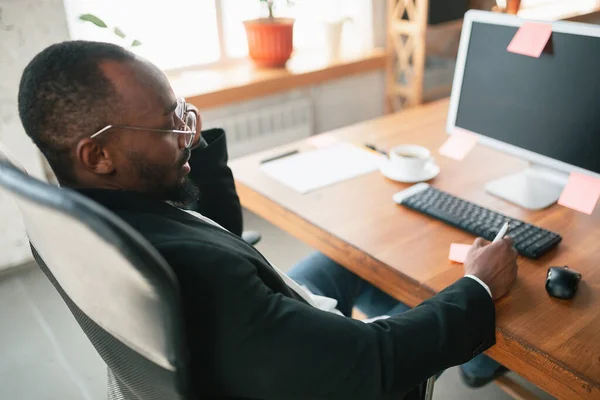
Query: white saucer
(430, 171)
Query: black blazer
(251, 336)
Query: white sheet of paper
(311, 170)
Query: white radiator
(260, 124)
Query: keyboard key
(526, 233)
(443, 215)
(546, 240)
(533, 248)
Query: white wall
(35, 24)
(349, 100)
(26, 27)
(266, 122)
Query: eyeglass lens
(190, 126)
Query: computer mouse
(562, 282)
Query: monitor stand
(533, 188)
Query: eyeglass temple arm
(107, 127)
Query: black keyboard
(529, 240)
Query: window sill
(218, 86)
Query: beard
(153, 179)
(183, 194)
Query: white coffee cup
(409, 159)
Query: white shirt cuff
(476, 279)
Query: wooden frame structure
(407, 29)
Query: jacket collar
(121, 200)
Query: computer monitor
(544, 110)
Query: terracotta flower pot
(513, 6)
(270, 41)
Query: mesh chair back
(123, 294)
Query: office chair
(121, 292)
(251, 237)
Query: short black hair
(64, 96)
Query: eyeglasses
(185, 114)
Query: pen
(502, 232)
(289, 153)
(372, 147)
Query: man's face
(147, 161)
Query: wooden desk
(554, 344)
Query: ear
(94, 157)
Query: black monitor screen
(549, 105)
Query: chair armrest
(251, 237)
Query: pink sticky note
(458, 252)
(322, 141)
(459, 144)
(581, 193)
(530, 39)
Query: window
(526, 3)
(533, 3)
(173, 33)
(182, 33)
(540, 3)
(555, 9)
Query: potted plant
(127, 41)
(513, 6)
(270, 40)
(508, 6)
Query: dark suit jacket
(251, 336)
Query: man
(111, 128)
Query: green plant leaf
(136, 43)
(119, 32)
(93, 19)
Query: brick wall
(26, 27)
